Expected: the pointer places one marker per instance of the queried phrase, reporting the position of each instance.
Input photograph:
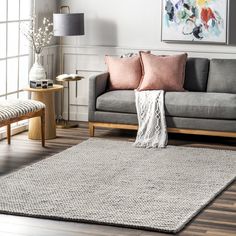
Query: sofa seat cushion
(201, 105)
(177, 104)
(117, 101)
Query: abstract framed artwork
(202, 21)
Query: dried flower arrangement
(39, 38)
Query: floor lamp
(67, 24)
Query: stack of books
(65, 77)
(41, 84)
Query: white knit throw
(152, 132)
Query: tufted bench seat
(16, 110)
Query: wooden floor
(219, 218)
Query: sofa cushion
(162, 72)
(125, 73)
(222, 76)
(177, 104)
(10, 109)
(117, 101)
(201, 105)
(196, 74)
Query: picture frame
(195, 21)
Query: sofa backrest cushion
(222, 76)
(196, 74)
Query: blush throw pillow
(162, 72)
(125, 73)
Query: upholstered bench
(16, 110)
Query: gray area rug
(111, 182)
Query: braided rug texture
(111, 182)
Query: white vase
(37, 71)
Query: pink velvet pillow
(163, 72)
(125, 73)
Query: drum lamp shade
(70, 24)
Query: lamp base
(64, 124)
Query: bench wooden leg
(43, 127)
(91, 129)
(9, 134)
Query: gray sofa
(208, 107)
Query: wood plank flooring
(218, 219)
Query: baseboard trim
(93, 125)
(76, 116)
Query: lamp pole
(67, 24)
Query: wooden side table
(45, 96)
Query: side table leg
(68, 85)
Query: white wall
(127, 23)
(115, 27)
(46, 8)
(50, 62)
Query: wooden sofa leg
(43, 127)
(91, 129)
(9, 134)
